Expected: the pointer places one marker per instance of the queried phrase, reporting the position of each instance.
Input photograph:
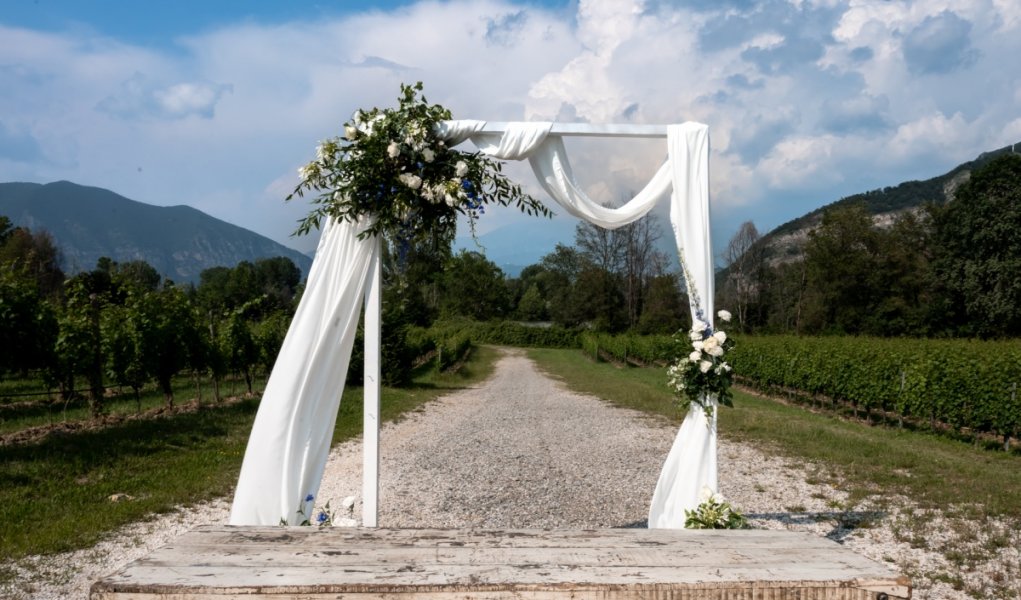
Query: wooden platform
(610, 564)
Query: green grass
(34, 411)
(934, 471)
(54, 494)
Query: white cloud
(810, 98)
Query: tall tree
(978, 251)
(744, 258)
(841, 260)
(473, 286)
(80, 343)
(639, 261)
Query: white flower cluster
(706, 348)
(687, 376)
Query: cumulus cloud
(811, 100)
(939, 44)
(18, 146)
(138, 97)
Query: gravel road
(521, 451)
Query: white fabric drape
(691, 463)
(290, 440)
(291, 436)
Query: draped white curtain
(290, 439)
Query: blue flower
(309, 498)
(322, 517)
(467, 185)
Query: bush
(965, 384)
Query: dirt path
(519, 450)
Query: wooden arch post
(371, 381)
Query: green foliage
(638, 350)
(933, 471)
(392, 164)
(473, 287)
(170, 335)
(28, 325)
(714, 513)
(79, 347)
(978, 251)
(665, 309)
(966, 384)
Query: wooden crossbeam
(591, 130)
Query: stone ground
(519, 450)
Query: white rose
(461, 168)
(715, 351)
(428, 155)
(720, 336)
(412, 181)
(724, 314)
(705, 494)
(695, 336)
(695, 356)
(710, 342)
(699, 345)
(705, 365)
(451, 200)
(699, 326)
(393, 150)
(350, 132)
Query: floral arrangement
(715, 512)
(391, 165)
(323, 516)
(701, 375)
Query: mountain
(90, 222)
(884, 204)
(517, 245)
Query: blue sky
(216, 104)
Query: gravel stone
(520, 451)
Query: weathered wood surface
(222, 562)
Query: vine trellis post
(371, 382)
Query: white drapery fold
(291, 436)
(290, 439)
(691, 462)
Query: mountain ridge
(88, 222)
(883, 204)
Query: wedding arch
(290, 439)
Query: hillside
(90, 222)
(882, 203)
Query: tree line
(942, 270)
(124, 324)
(609, 280)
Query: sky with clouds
(216, 104)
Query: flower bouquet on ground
(391, 165)
(701, 374)
(715, 512)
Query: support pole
(370, 436)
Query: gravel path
(520, 451)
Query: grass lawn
(934, 471)
(54, 494)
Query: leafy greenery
(391, 164)
(939, 270)
(964, 384)
(714, 513)
(932, 470)
(55, 494)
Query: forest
(951, 270)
